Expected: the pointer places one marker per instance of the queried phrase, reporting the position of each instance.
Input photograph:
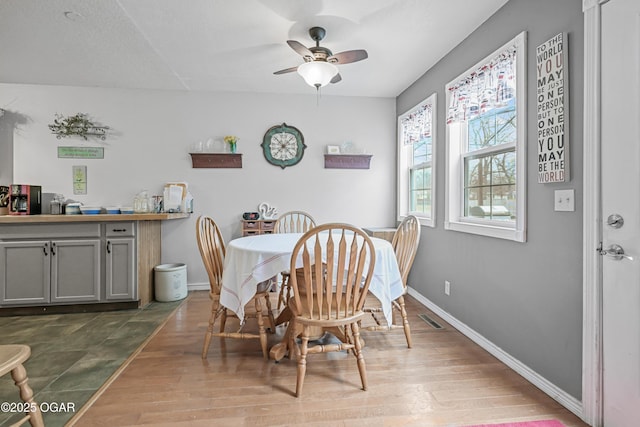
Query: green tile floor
(72, 355)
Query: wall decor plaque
(80, 152)
(552, 94)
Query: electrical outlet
(447, 287)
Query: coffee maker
(25, 199)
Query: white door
(621, 195)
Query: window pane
(503, 202)
(482, 132)
(503, 168)
(506, 127)
(478, 171)
(420, 200)
(490, 190)
(476, 200)
(422, 151)
(493, 127)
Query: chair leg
(285, 284)
(272, 320)
(19, 375)
(223, 320)
(262, 331)
(302, 360)
(212, 320)
(355, 329)
(405, 321)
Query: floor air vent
(430, 321)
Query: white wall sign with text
(552, 93)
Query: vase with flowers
(232, 141)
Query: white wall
(152, 132)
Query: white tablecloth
(254, 259)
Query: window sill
(507, 233)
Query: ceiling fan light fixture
(317, 73)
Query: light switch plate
(564, 200)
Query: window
(416, 162)
(486, 146)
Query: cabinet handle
(44, 249)
(119, 230)
(108, 246)
(53, 249)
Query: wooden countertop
(32, 219)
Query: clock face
(283, 145)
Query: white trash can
(170, 282)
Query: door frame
(592, 403)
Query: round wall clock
(283, 145)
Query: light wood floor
(444, 380)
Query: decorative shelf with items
(346, 156)
(210, 154)
(216, 160)
(347, 161)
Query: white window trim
(405, 156)
(454, 177)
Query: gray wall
(526, 298)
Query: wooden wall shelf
(347, 161)
(216, 160)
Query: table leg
(284, 316)
(280, 350)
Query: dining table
(254, 259)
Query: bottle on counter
(56, 204)
(141, 202)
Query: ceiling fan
(319, 67)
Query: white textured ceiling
(228, 45)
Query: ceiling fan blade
(286, 70)
(300, 48)
(348, 56)
(336, 78)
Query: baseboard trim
(198, 286)
(559, 395)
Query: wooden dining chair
(405, 244)
(12, 358)
(291, 222)
(337, 268)
(212, 249)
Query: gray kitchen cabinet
(120, 261)
(120, 269)
(45, 264)
(49, 271)
(25, 273)
(39, 272)
(75, 270)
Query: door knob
(615, 252)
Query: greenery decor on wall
(77, 125)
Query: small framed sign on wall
(552, 112)
(79, 179)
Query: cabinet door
(24, 273)
(75, 270)
(120, 269)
